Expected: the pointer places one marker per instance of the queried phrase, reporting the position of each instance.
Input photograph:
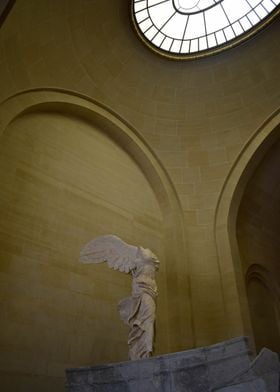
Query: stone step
(219, 367)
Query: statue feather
(111, 249)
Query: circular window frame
(207, 52)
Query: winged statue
(137, 311)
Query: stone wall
(64, 182)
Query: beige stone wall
(63, 182)
(196, 116)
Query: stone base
(223, 367)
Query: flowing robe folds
(138, 311)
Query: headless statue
(138, 310)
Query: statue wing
(110, 248)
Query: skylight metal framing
(181, 41)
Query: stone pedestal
(223, 367)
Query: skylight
(192, 28)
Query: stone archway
(236, 303)
(72, 104)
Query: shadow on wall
(232, 268)
(5, 8)
(264, 303)
(258, 233)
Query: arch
(266, 329)
(260, 273)
(74, 104)
(235, 297)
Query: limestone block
(197, 370)
(257, 385)
(265, 365)
(223, 367)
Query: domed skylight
(192, 28)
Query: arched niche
(263, 298)
(230, 264)
(41, 106)
(258, 233)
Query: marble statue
(138, 310)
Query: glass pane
(185, 47)
(189, 26)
